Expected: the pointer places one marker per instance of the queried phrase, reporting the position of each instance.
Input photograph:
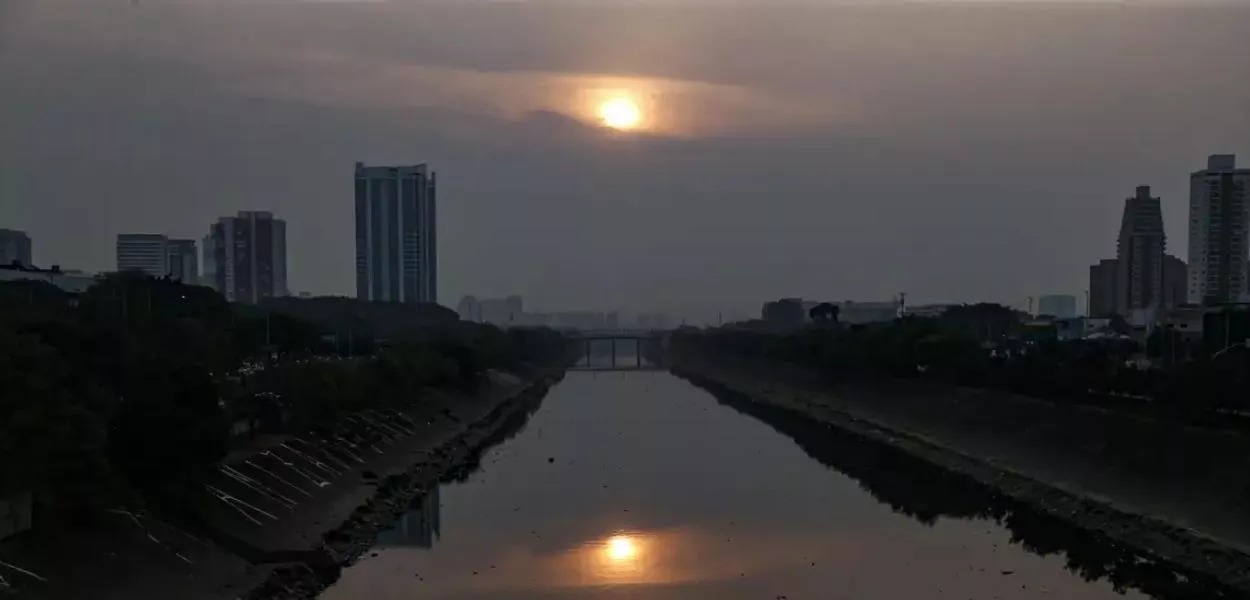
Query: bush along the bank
(131, 391)
(995, 352)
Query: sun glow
(620, 113)
(621, 548)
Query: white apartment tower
(396, 234)
(146, 253)
(1219, 232)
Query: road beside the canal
(1098, 470)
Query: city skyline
(857, 174)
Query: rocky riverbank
(394, 496)
(951, 433)
(288, 513)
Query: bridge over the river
(648, 349)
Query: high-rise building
(184, 263)
(208, 261)
(1057, 305)
(15, 247)
(1102, 287)
(143, 252)
(396, 234)
(1175, 281)
(1139, 253)
(247, 256)
(1219, 232)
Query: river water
(641, 485)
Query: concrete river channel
(642, 485)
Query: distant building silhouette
(469, 309)
(858, 313)
(503, 312)
(396, 234)
(143, 252)
(1175, 281)
(1057, 305)
(651, 321)
(1219, 232)
(1102, 287)
(246, 255)
(183, 261)
(786, 312)
(1139, 254)
(15, 246)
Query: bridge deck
(622, 368)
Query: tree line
(130, 391)
(989, 346)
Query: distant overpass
(647, 343)
(618, 334)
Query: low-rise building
(858, 313)
(1060, 306)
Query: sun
(620, 113)
(621, 547)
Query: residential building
(183, 262)
(501, 312)
(1219, 232)
(208, 261)
(469, 309)
(396, 234)
(247, 256)
(853, 313)
(1060, 306)
(1175, 281)
(1139, 254)
(144, 253)
(1102, 288)
(15, 247)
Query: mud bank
(397, 493)
(927, 477)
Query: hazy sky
(956, 153)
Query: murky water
(640, 485)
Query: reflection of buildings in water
(419, 527)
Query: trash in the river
(1008, 572)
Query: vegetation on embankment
(1145, 478)
(130, 392)
(988, 346)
